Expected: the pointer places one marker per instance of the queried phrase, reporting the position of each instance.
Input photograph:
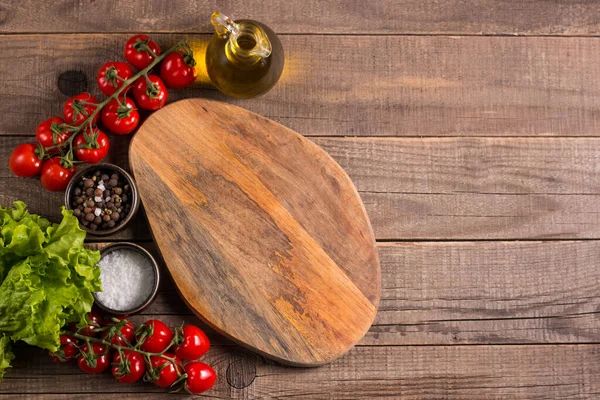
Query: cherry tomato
(68, 349)
(136, 51)
(150, 96)
(91, 147)
(48, 134)
(24, 160)
(111, 76)
(194, 343)
(167, 375)
(56, 177)
(135, 369)
(177, 70)
(100, 356)
(78, 108)
(121, 118)
(200, 377)
(159, 337)
(94, 321)
(125, 334)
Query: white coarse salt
(127, 279)
(98, 199)
(97, 211)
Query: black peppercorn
(89, 191)
(77, 212)
(88, 183)
(98, 192)
(115, 216)
(90, 217)
(93, 227)
(106, 218)
(90, 203)
(111, 223)
(112, 182)
(77, 192)
(105, 177)
(87, 210)
(98, 220)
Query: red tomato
(94, 363)
(150, 96)
(124, 336)
(159, 336)
(24, 160)
(136, 51)
(177, 70)
(133, 371)
(193, 345)
(200, 377)
(48, 134)
(91, 148)
(68, 349)
(94, 321)
(121, 118)
(111, 76)
(78, 108)
(169, 374)
(55, 177)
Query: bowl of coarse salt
(130, 279)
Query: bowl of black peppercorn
(103, 197)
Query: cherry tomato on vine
(159, 336)
(125, 333)
(94, 321)
(55, 175)
(24, 160)
(91, 147)
(100, 355)
(135, 369)
(78, 108)
(111, 76)
(178, 70)
(48, 134)
(136, 51)
(193, 343)
(150, 95)
(200, 377)
(68, 349)
(121, 118)
(167, 375)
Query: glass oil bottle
(244, 58)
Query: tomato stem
(99, 106)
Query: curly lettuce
(47, 278)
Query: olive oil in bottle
(244, 58)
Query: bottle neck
(248, 44)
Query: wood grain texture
(452, 293)
(407, 372)
(357, 85)
(263, 233)
(469, 17)
(451, 188)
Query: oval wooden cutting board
(264, 234)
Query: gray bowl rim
(132, 246)
(135, 205)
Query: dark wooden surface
(469, 130)
(263, 233)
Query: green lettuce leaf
(47, 277)
(6, 355)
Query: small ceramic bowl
(156, 276)
(135, 197)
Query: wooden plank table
(472, 132)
